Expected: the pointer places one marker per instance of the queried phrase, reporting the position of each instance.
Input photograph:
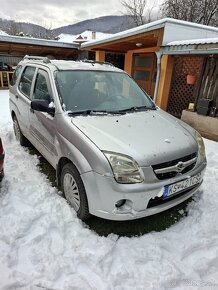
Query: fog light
(120, 202)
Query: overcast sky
(56, 13)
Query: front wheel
(74, 190)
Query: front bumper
(104, 192)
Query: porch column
(128, 63)
(100, 55)
(167, 63)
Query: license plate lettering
(182, 185)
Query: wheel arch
(13, 114)
(62, 161)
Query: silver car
(116, 154)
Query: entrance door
(144, 71)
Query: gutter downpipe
(159, 55)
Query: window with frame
(41, 90)
(16, 74)
(26, 80)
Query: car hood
(150, 137)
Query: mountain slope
(106, 24)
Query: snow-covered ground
(44, 246)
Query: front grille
(166, 166)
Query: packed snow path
(44, 246)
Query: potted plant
(191, 79)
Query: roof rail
(98, 62)
(44, 59)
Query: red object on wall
(191, 79)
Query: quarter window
(26, 80)
(15, 75)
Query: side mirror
(42, 106)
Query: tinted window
(26, 80)
(16, 74)
(41, 90)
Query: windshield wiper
(138, 108)
(88, 112)
(105, 112)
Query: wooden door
(144, 71)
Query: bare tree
(135, 8)
(48, 31)
(198, 11)
(13, 28)
(43, 31)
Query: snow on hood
(141, 135)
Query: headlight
(125, 169)
(201, 148)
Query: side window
(41, 90)
(16, 74)
(26, 80)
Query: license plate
(182, 185)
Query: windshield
(100, 91)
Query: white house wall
(174, 31)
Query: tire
(18, 134)
(74, 190)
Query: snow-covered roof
(192, 46)
(83, 65)
(194, 41)
(85, 36)
(36, 41)
(174, 30)
(2, 32)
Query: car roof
(71, 65)
(84, 65)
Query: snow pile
(44, 246)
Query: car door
(23, 98)
(43, 125)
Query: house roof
(86, 35)
(172, 29)
(18, 45)
(194, 41)
(2, 32)
(35, 41)
(192, 46)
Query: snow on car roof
(84, 65)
